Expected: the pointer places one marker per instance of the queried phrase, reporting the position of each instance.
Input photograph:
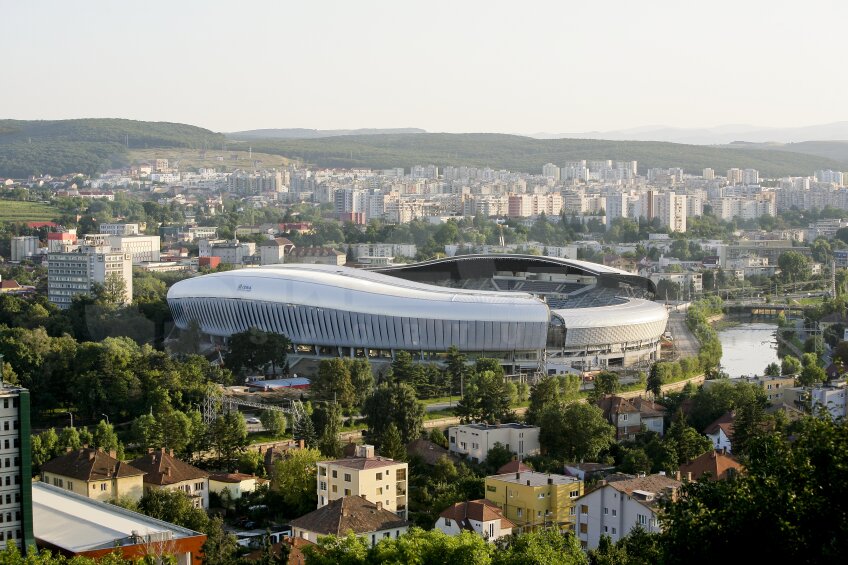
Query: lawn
(18, 211)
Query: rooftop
(512, 426)
(163, 468)
(349, 513)
(361, 463)
(478, 510)
(534, 479)
(89, 464)
(74, 523)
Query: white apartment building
(383, 250)
(550, 171)
(120, 229)
(15, 475)
(830, 398)
(273, 251)
(24, 247)
(615, 508)
(142, 248)
(475, 440)
(75, 272)
(528, 205)
(377, 479)
(232, 252)
(669, 207)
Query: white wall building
(615, 508)
(120, 229)
(73, 273)
(24, 247)
(475, 440)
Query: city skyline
(455, 68)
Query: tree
(685, 441)
(173, 506)
(228, 436)
(778, 502)
(794, 266)
(488, 398)
(105, 437)
(605, 384)
(274, 422)
(790, 365)
(391, 444)
(456, 367)
(542, 547)
(393, 403)
(294, 477)
(575, 432)
(812, 373)
(112, 292)
(655, 381)
(70, 438)
(721, 396)
(333, 383)
(498, 456)
(543, 394)
(220, 547)
(362, 379)
(328, 422)
(304, 429)
(254, 349)
(772, 370)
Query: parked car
(253, 420)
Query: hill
(19, 211)
(302, 133)
(518, 153)
(836, 150)
(58, 147)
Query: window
(447, 522)
(322, 485)
(491, 488)
(614, 512)
(347, 492)
(401, 474)
(103, 486)
(379, 476)
(538, 513)
(584, 528)
(379, 490)
(335, 488)
(613, 531)
(606, 529)
(624, 417)
(70, 485)
(641, 519)
(519, 512)
(575, 493)
(335, 474)
(322, 471)
(584, 509)
(347, 477)
(606, 511)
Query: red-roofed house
(719, 465)
(480, 516)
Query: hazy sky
(518, 66)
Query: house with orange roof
(482, 517)
(720, 432)
(717, 465)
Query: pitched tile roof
(723, 422)
(655, 484)
(231, 477)
(478, 510)
(648, 408)
(514, 466)
(89, 464)
(163, 468)
(349, 513)
(716, 463)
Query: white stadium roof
(633, 311)
(356, 290)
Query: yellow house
(535, 500)
(94, 473)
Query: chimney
(161, 450)
(528, 482)
(689, 476)
(171, 452)
(379, 505)
(677, 475)
(168, 471)
(550, 480)
(517, 476)
(113, 454)
(92, 455)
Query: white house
(480, 516)
(616, 507)
(164, 471)
(720, 432)
(475, 440)
(367, 520)
(236, 483)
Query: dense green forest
(87, 146)
(526, 154)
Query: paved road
(685, 343)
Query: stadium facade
(531, 313)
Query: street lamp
(72, 418)
(107, 417)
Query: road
(685, 344)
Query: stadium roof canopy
(462, 267)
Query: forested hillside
(87, 146)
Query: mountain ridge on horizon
(718, 135)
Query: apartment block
(73, 273)
(475, 440)
(377, 479)
(532, 500)
(15, 467)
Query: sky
(450, 66)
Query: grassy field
(213, 158)
(16, 211)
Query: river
(748, 348)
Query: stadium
(531, 313)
